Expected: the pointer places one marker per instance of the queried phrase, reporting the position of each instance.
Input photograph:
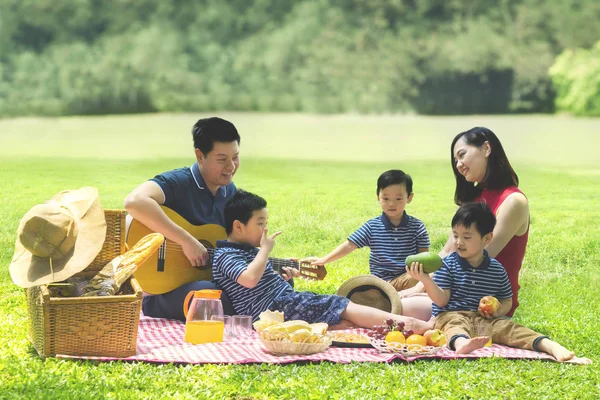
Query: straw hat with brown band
(371, 291)
(58, 239)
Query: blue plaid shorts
(311, 307)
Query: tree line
(63, 57)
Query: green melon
(431, 262)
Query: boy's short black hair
(394, 177)
(207, 131)
(240, 207)
(475, 214)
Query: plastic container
(204, 317)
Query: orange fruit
(395, 337)
(416, 339)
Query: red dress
(511, 256)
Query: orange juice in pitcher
(197, 332)
(204, 317)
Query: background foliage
(60, 57)
(576, 76)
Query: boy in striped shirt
(246, 275)
(470, 274)
(392, 236)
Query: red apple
(489, 305)
(435, 337)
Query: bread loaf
(110, 278)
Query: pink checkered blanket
(161, 341)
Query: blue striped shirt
(468, 285)
(390, 244)
(229, 262)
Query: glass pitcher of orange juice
(204, 317)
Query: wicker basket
(88, 326)
(287, 348)
(282, 345)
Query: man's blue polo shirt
(468, 285)
(186, 194)
(230, 261)
(390, 244)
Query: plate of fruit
(390, 337)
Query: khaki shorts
(403, 281)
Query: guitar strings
(277, 264)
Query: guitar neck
(277, 263)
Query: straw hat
(58, 239)
(371, 291)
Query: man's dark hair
(394, 177)
(475, 214)
(499, 173)
(207, 131)
(240, 207)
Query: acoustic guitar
(169, 268)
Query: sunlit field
(535, 139)
(318, 174)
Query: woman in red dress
(483, 173)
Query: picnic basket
(287, 348)
(88, 326)
(282, 346)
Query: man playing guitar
(198, 194)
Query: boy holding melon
(392, 236)
(472, 290)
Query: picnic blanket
(161, 341)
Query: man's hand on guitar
(195, 252)
(288, 273)
(268, 242)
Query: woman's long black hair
(498, 175)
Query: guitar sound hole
(206, 244)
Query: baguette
(110, 278)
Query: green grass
(319, 190)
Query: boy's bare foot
(465, 346)
(556, 350)
(579, 360)
(559, 352)
(417, 325)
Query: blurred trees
(576, 76)
(61, 57)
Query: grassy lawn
(318, 175)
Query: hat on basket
(58, 239)
(369, 290)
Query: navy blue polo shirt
(468, 284)
(390, 244)
(186, 194)
(230, 261)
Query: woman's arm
(449, 247)
(512, 218)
